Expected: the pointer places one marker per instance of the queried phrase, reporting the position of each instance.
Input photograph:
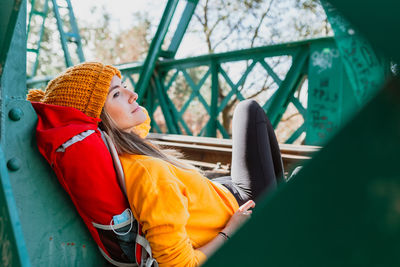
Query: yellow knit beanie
(84, 87)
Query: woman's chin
(140, 117)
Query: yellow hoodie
(179, 210)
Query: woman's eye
(116, 94)
(124, 85)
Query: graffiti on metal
(324, 59)
(325, 99)
(324, 109)
(365, 69)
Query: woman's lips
(136, 109)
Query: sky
(121, 10)
(122, 17)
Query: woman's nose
(133, 97)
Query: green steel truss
(308, 61)
(67, 27)
(155, 50)
(342, 209)
(330, 99)
(9, 14)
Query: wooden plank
(191, 139)
(209, 153)
(219, 142)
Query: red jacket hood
(57, 124)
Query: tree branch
(199, 19)
(227, 35)
(255, 35)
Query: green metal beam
(8, 18)
(378, 22)
(276, 50)
(12, 242)
(165, 107)
(234, 87)
(182, 26)
(75, 32)
(271, 72)
(296, 134)
(68, 37)
(63, 38)
(366, 70)
(212, 122)
(322, 58)
(280, 100)
(196, 90)
(36, 50)
(325, 78)
(331, 99)
(54, 234)
(298, 105)
(155, 48)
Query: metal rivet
(14, 164)
(15, 114)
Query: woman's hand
(239, 217)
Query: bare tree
(227, 22)
(228, 25)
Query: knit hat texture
(84, 87)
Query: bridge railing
(195, 96)
(214, 81)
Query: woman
(185, 216)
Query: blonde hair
(131, 143)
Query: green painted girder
(341, 209)
(278, 104)
(239, 55)
(68, 37)
(378, 22)
(213, 121)
(234, 87)
(165, 107)
(195, 90)
(180, 31)
(275, 50)
(283, 96)
(8, 18)
(43, 218)
(296, 134)
(36, 49)
(150, 104)
(255, 56)
(12, 242)
(155, 48)
(366, 70)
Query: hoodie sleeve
(160, 203)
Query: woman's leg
(256, 159)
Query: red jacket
(85, 169)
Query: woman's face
(122, 107)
